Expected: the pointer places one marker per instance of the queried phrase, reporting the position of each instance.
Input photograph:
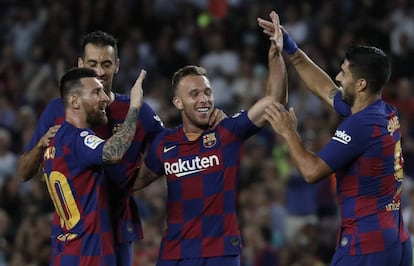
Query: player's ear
(117, 64)
(74, 101)
(361, 84)
(80, 62)
(177, 103)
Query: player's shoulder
(68, 129)
(76, 136)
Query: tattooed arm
(117, 145)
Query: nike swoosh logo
(167, 149)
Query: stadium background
(282, 218)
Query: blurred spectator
(27, 25)
(5, 248)
(8, 160)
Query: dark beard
(96, 120)
(348, 99)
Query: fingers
(265, 23)
(52, 131)
(216, 116)
(267, 26)
(275, 20)
(212, 118)
(141, 77)
(293, 115)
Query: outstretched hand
(137, 92)
(277, 33)
(277, 37)
(282, 121)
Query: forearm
(309, 164)
(144, 178)
(277, 80)
(314, 77)
(116, 146)
(29, 163)
(143, 181)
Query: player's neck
(363, 101)
(192, 132)
(76, 118)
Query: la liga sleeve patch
(92, 141)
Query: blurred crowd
(284, 220)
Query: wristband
(289, 45)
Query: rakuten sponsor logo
(341, 136)
(187, 167)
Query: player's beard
(199, 120)
(348, 98)
(96, 118)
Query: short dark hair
(187, 71)
(99, 38)
(71, 80)
(370, 63)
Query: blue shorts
(212, 261)
(123, 253)
(401, 255)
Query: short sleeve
(89, 148)
(346, 144)
(152, 160)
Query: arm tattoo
(117, 145)
(332, 93)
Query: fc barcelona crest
(209, 140)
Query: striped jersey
(123, 204)
(75, 180)
(202, 178)
(365, 153)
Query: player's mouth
(203, 110)
(103, 109)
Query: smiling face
(94, 102)
(194, 98)
(102, 59)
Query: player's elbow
(315, 172)
(311, 178)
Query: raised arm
(117, 145)
(276, 86)
(277, 81)
(313, 76)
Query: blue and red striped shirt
(123, 204)
(365, 153)
(76, 183)
(202, 179)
